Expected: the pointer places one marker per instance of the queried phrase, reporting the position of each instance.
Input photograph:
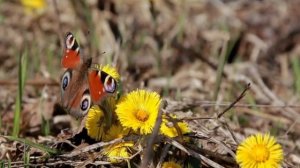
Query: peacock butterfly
(82, 83)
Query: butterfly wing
(101, 84)
(71, 58)
(75, 94)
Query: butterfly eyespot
(70, 40)
(109, 84)
(85, 103)
(65, 80)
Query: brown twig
(91, 147)
(251, 105)
(211, 154)
(237, 100)
(192, 152)
(230, 131)
(148, 151)
(136, 153)
(195, 118)
(163, 155)
(126, 158)
(186, 104)
(223, 112)
(291, 127)
(175, 124)
(289, 113)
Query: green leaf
(8, 163)
(45, 126)
(296, 69)
(26, 158)
(226, 50)
(23, 60)
(2, 165)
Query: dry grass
(172, 47)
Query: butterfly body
(82, 85)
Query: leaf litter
(172, 47)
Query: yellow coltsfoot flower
(109, 70)
(32, 5)
(118, 152)
(138, 110)
(168, 128)
(95, 123)
(115, 131)
(171, 164)
(259, 151)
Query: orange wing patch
(71, 59)
(96, 86)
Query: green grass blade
(220, 70)
(8, 163)
(119, 90)
(2, 165)
(45, 126)
(178, 94)
(26, 158)
(296, 70)
(166, 89)
(16, 128)
(0, 121)
(23, 59)
(41, 147)
(226, 50)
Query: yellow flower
(95, 123)
(31, 5)
(167, 128)
(171, 164)
(109, 70)
(138, 110)
(259, 151)
(118, 152)
(114, 132)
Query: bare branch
(237, 100)
(148, 151)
